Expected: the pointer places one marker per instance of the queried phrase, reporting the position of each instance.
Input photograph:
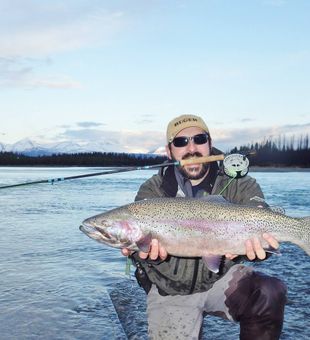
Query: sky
(119, 71)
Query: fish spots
(193, 227)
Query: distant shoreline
(251, 169)
(277, 169)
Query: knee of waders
(257, 295)
(268, 297)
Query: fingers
(230, 256)
(143, 255)
(271, 240)
(156, 251)
(153, 252)
(258, 249)
(255, 249)
(249, 250)
(126, 252)
(162, 252)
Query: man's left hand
(254, 248)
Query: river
(56, 283)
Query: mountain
(161, 151)
(27, 147)
(32, 148)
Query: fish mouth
(95, 232)
(100, 234)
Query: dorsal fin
(277, 209)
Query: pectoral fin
(213, 262)
(144, 244)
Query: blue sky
(120, 70)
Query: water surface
(58, 284)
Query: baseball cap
(182, 122)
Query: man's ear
(168, 151)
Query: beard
(189, 174)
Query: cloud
(64, 126)
(89, 124)
(229, 138)
(247, 120)
(290, 127)
(122, 141)
(53, 82)
(32, 28)
(19, 72)
(146, 119)
(12, 71)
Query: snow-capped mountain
(26, 146)
(32, 148)
(161, 151)
(69, 147)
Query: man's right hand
(156, 250)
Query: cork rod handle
(199, 160)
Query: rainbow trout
(189, 227)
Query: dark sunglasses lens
(180, 142)
(201, 138)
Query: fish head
(115, 228)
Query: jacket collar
(170, 184)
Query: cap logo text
(185, 120)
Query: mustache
(191, 155)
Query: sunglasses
(201, 138)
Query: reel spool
(236, 165)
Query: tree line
(80, 159)
(286, 152)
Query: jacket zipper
(195, 274)
(176, 267)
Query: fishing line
(128, 266)
(197, 160)
(227, 185)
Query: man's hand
(126, 252)
(156, 250)
(254, 248)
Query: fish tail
(306, 234)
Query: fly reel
(236, 165)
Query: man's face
(191, 150)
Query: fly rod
(198, 160)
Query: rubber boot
(258, 304)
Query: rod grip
(199, 160)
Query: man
(181, 290)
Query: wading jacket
(183, 276)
